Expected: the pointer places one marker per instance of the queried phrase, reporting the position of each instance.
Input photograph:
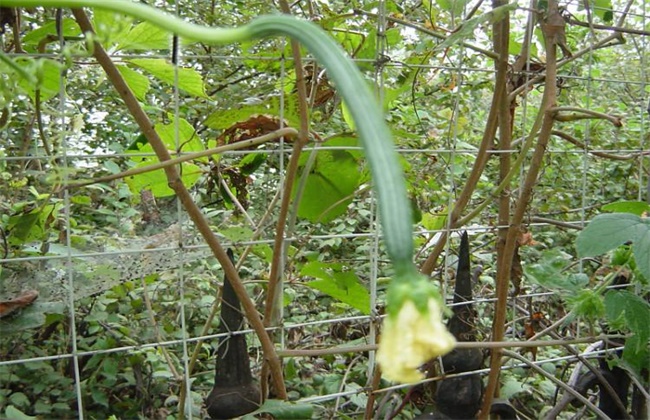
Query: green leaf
(347, 116)
(251, 162)
(615, 309)
(604, 10)
(188, 141)
(633, 207)
(627, 311)
(48, 73)
(453, 6)
(138, 83)
(145, 36)
(588, 304)
(110, 26)
(32, 226)
(20, 399)
(156, 181)
(13, 413)
(237, 233)
(607, 231)
(512, 387)
(110, 368)
(338, 282)
(636, 354)
(641, 251)
(23, 227)
(227, 117)
(330, 185)
(466, 30)
(290, 369)
(434, 221)
(83, 200)
(189, 80)
(99, 396)
(222, 119)
(69, 28)
(623, 305)
(283, 410)
(549, 272)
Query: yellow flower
(412, 338)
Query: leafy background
(134, 290)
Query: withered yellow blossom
(413, 336)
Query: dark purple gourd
(234, 393)
(460, 397)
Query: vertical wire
(285, 243)
(374, 226)
(644, 117)
(452, 141)
(177, 53)
(585, 150)
(645, 108)
(66, 211)
(524, 118)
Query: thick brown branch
(584, 114)
(184, 196)
(552, 35)
(459, 345)
(617, 29)
(578, 143)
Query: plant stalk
(505, 262)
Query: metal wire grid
(373, 237)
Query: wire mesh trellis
(126, 284)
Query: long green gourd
(388, 179)
(413, 332)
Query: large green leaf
(331, 183)
(627, 311)
(187, 141)
(250, 163)
(607, 231)
(187, 138)
(138, 83)
(189, 80)
(145, 36)
(338, 282)
(156, 181)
